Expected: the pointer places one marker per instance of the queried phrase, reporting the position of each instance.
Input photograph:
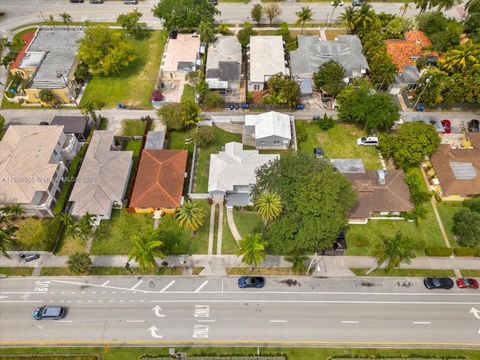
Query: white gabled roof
(267, 57)
(235, 167)
(271, 123)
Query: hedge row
(444, 251)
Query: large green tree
(366, 107)
(438, 4)
(283, 90)
(272, 11)
(46, 96)
(393, 250)
(257, 13)
(130, 22)
(252, 250)
(244, 34)
(7, 234)
(145, 247)
(410, 144)
(464, 58)
(315, 198)
(330, 77)
(105, 51)
(443, 32)
(184, 14)
(178, 116)
(206, 30)
(467, 227)
(190, 216)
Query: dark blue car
(251, 282)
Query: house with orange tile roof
(159, 181)
(406, 52)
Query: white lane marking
(110, 301)
(64, 321)
(79, 301)
(83, 292)
(135, 321)
(475, 312)
(278, 321)
(114, 292)
(89, 301)
(73, 292)
(153, 331)
(132, 300)
(421, 322)
(166, 287)
(157, 310)
(3, 297)
(320, 302)
(222, 284)
(134, 286)
(121, 301)
(104, 292)
(106, 283)
(200, 331)
(201, 286)
(206, 320)
(349, 322)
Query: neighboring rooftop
(60, 46)
(404, 52)
(458, 170)
(181, 53)
(379, 192)
(267, 57)
(271, 123)
(73, 124)
(235, 167)
(312, 52)
(160, 178)
(26, 161)
(155, 140)
(27, 37)
(102, 177)
(224, 59)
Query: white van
(367, 140)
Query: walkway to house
(211, 233)
(231, 224)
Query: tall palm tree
(252, 250)
(348, 18)
(472, 6)
(190, 216)
(335, 3)
(13, 210)
(445, 4)
(71, 228)
(365, 17)
(396, 249)
(207, 32)
(66, 19)
(85, 225)
(269, 206)
(303, 16)
(145, 248)
(404, 8)
(464, 58)
(52, 20)
(7, 235)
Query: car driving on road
(251, 282)
(438, 283)
(49, 313)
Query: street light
(427, 81)
(60, 75)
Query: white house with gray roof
(313, 52)
(270, 130)
(224, 65)
(232, 173)
(266, 57)
(103, 178)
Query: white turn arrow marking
(153, 331)
(475, 313)
(157, 310)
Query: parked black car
(474, 125)
(438, 283)
(76, 1)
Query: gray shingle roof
(224, 59)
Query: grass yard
(292, 353)
(470, 273)
(229, 245)
(133, 86)
(188, 93)
(203, 162)
(180, 140)
(136, 147)
(16, 271)
(361, 239)
(247, 222)
(69, 245)
(447, 210)
(100, 271)
(405, 272)
(338, 142)
(133, 127)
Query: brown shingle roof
(372, 196)
(403, 52)
(159, 181)
(441, 164)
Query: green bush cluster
(438, 251)
(466, 251)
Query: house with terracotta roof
(457, 171)
(159, 181)
(406, 52)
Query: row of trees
(467, 223)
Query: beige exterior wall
(62, 95)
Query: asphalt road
(19, 12)
(183, 310)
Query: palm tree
(207, 32)
(335, 4)
(85, 225)
(7, 235)
(66, 19)
(464, 58)
(348, 18)
(46, 96)
(269, 206)
(190, 216)
(303, 16)
(396, 249)
(52, 20)
(71, 229)
(252, 250)
(446, 4)
(145, 248)
(365, 17)
(13, 210)
(404, 8)
(472, 6)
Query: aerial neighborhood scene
(239, 179)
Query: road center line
(135, 321)
(134, 286)
(278, 321)
(207, 320)
(64, 321)
(422, 322)
(106, 283)
(166, 287)
(349, 322)
(201, 286)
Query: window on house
(256, 87)
(276, 142)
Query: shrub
(79, 263)
(157, 95)
(326, 122)
(213, 100)
(415, 184)
(204, 136)
(467, 227)
(301, 134)
(466, 251)
(438, 251)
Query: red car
(467, 283)
(447, 126)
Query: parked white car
(340, 3)
(367, 141)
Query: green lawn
(180, 140)
(447, 210)
(338, 142)
(133, 86)
(229, 245)
(101, 271)
(405, 272)
(203, 162)
(247, 222)
(188, 93)
(133, 127)
(16, 271)
(470, 273)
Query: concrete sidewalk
(330, 266)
